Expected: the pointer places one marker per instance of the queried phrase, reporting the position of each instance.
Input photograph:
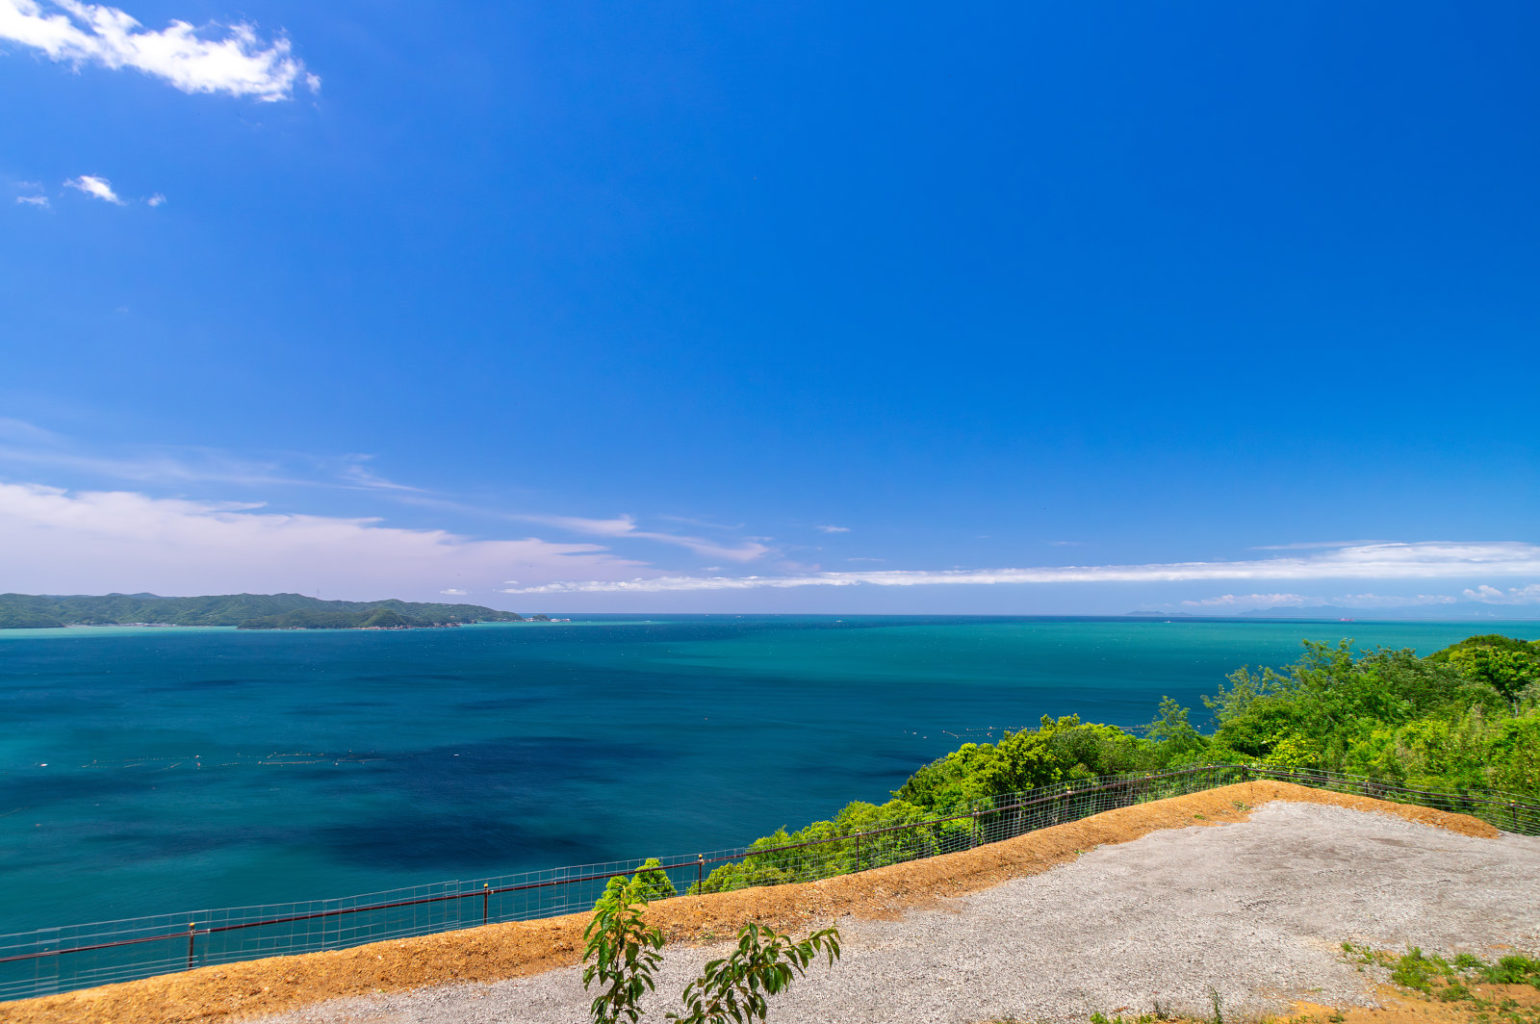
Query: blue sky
(1018, 308)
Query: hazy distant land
(243, 611)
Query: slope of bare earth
(1158, 909)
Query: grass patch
(1456, 981)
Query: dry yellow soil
(498, 951)
(1401, 1007)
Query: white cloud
(33, 200)
(230, 59)
(454, 592)
(57, 541)
(156, 200)
(1378, 561)
(1487, 594)
(625, 526)
(90, 184)
(832, 529)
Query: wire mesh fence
(60, 959)
(1502, 810)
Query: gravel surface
(1255, 911)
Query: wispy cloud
(1381, 561)
(1389, 600)
(20, 430)
(1313, 545)
(179, 466)
(832, 529)
(90, 184)
(1257, 602)
(33, 200)
(230, 59)
(25, 444)
(58, 541)
(624, 526)
(156, 200)
(356, 472)
(454, 592)
(705, 524)
(1247, 602)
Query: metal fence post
(192, 935)
(700, 873)
(486, 900)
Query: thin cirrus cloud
(1379, 561)
(28, 445)
(832, 529)
(58, 541)
(231, 59)
(33, 200)
(624, 526)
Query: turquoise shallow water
(155, 770)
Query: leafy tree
(765, 963)
(623, 950)
(1172, 730)
(622, 955)
(1508, 671)
(652, 882)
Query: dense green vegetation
(247, 611)
(1465, 718)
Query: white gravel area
(1255, 911)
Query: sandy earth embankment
(1122, 925)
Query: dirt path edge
(255, 987)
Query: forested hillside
(1464, 718)
(247, 611)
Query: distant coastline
(242, 611)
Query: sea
(151, 770)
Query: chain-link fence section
(60, 959)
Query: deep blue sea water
(156, 770)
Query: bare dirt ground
(859, 903)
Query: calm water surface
(154, 770)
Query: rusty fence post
(486, 900)
(192, 934)
(700, 874)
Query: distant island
(243, 611)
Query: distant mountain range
(244, 611)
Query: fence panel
(60, 959)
